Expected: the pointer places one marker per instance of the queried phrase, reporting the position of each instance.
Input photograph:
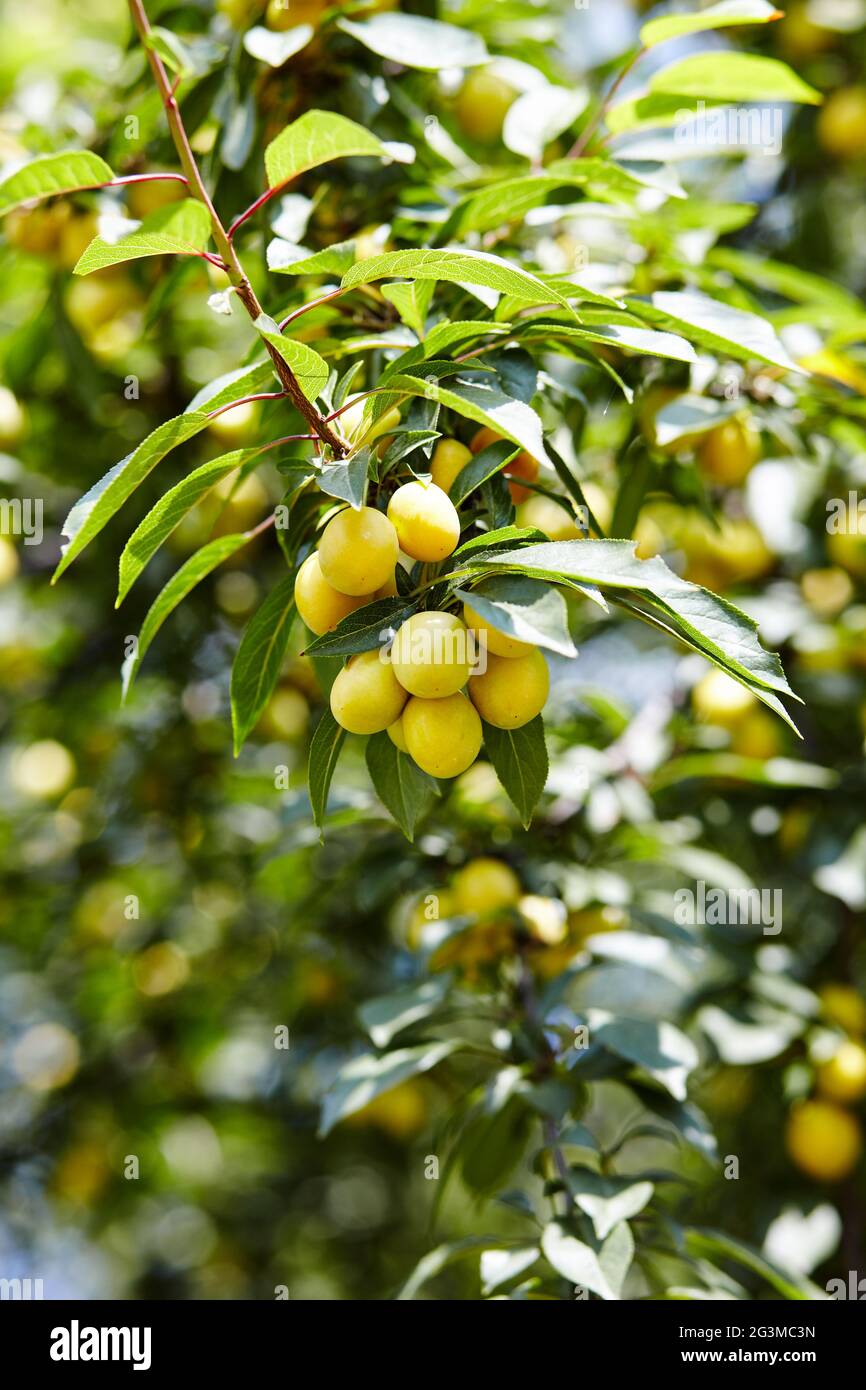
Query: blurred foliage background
(165, 909)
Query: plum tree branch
(234, 269)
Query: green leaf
(316, 138)
(325, 747)
(181, 229)
(689, 415)
(803, 286)
(509, 200)
(493, 1145)
(608, 1200)
(275, 47)
(717, 326)
(411, 302)
(53, 173)
(721, 16)
(307, 366)
(389, 1014)
(366, 1077)
(641, 340)
(169, 511)
(659, 1049)
(197, 567)
(415, 42)
(347, 479)
(287, 259)
(483, 401)
(96, 508)
(406, 791)
(458, 267)
(362, 630)
(436, 1260)
(232, 386)
(733, 76)
(259, 659)
(707, 622)
(602, 1269)
(703, 1244)
(530, 610)
(481, 467)
(519, 758)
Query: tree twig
(234, 269)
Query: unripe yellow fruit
(9, 566)
(96, 300)
(320, 605)
(482, 104)
(397, 736)
(235, 425)
(757, 736)
(843, 1077)
(485, 885)
(847, 547)
(43, 769)
(496, 642)
(358, 551)
(12, 419)
(450, 457)
(729, 451)
(512, 690)
(843, 1004)
(351, 423)
(545, 918)
(288, 14)
(426, 521)
(366, 696)
(823, 1140)
(719, 699)
(431, 655)
(152, 195)
(547, 516)
(443, 736)
(285, 716)
(842, 123)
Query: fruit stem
(234, 269)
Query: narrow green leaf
(389, 1014)
(717, 326)
(721, 16)
(182, 229)
(709, 623)
(275, 47)
(364, 1078)
(259, 658)
(481, 467)
(602, 1269)
(481, 400)
(406, 791)
(53, 173)
(411, 302)
(363, 630)
(96, 508)
(459, 267)
(519, 758)
(325, 747)
(169, 511)
(197, 567)
(310, 369)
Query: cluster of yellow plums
(489, 891)
(824, 1138)
(443, 672)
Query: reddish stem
(245, 400)
(253, 208)
(311, 304)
